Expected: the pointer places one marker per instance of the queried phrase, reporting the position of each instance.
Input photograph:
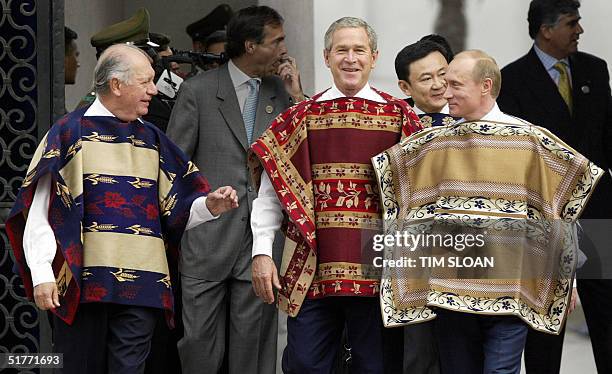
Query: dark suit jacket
(529, 93)
(207, 124)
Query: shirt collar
(491, 116)
(547, 60)
(419, 111)
(237, 76)
(494, 113)
(97, 109)
(366, 93)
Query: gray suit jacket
(207, 124)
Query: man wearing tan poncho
(494, 171)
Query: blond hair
(485, 67)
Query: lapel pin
(270, 109)
(585, 89)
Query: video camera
(195, 59)
(168, 83)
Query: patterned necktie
(564, 84)
(250, 108)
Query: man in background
(160, 106)
(568, 92)
(447, 49)
(215, 44)
(163, 48)
(421, 72)
(216, 20)
(71, 56)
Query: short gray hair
(113, 63)
(345, 22)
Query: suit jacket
(206, 123)
(528, 92)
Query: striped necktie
(565, 89)
(250, 108)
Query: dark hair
(412, 53)
(448, 51)
(162, 40)
(248, 24)
(218, 36)
(69, 35)
(547, 12)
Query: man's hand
(46, 296)
(264, 277)
(221, 200)
(290, 75)
(573, 300)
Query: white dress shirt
(495, 114)
(39, 245)
(365, 93)
(267, 214)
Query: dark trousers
(420, 349)
(313, 337)
(417, 344)
(596, 298)
(163, 357)
(105, 338)
(471, 343)
(543, 351)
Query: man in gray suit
(216, 117)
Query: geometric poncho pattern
(317, 155)
(513, 178)
(120, 200)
